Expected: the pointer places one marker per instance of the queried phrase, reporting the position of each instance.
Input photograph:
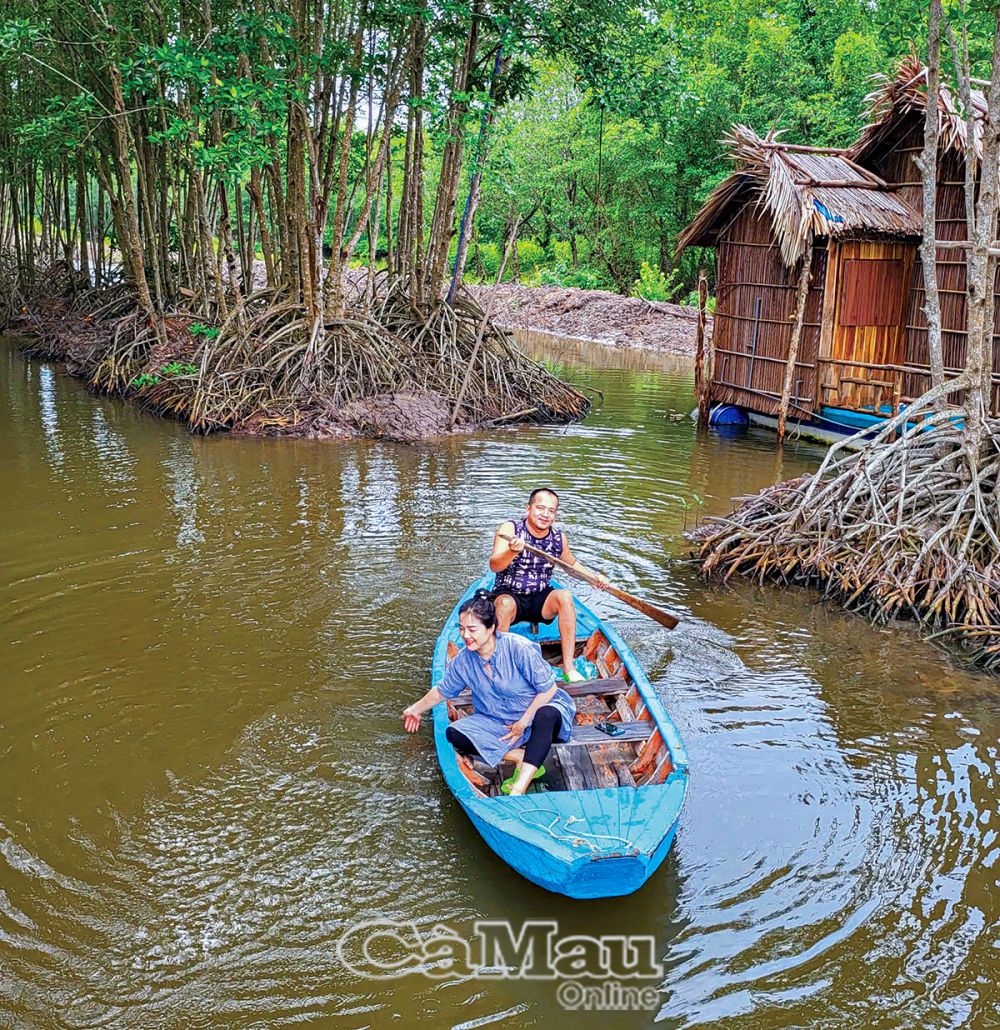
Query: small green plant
(200, 329)
(172, 368)
(146, 379)
(698, 502)
(652, 284)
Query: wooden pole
(702, 374)
(793, 347)
(993, 250)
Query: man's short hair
(542, 490)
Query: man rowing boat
(522, 592)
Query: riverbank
(595, 316)
(906, 526)
(387, 368)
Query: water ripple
(207, 644)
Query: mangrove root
(908, 525)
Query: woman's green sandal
(508, 784)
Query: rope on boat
(576, 839)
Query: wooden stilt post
(793, 347)
(702, 362)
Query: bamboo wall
(750, 270)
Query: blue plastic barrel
(728, 415)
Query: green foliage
(559, 274)
(691, 301)
(529, 255)
(486, 262)
(644, 113)
(229, 118)
(62, 128)
(172, 369)
(146, 379)
(18, 35)
(209, 332)
(652, 284)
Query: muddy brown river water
(205, 647)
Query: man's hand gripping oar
(656, 614)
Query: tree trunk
(442, 224)
(702, 371)
(82, 221)
(982, 271)
(927, 162)
(131, 242)
(472, 201)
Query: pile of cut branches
(909, 525)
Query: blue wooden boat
(603, 817)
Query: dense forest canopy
(409, 134)
(646, 128)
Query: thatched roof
(905, 93)
(806, 191)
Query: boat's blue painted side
(831, 425)
(585, 844)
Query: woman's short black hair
(481, 605)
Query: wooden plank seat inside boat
(571, 767)
(585, 736)
(589, 768)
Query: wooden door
(868, 323)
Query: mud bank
(594, 315)
(398, 372)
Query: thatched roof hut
(855, 215)
(805, 191)
(902, 96)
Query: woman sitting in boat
(518, 711)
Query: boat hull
(595, 843)
(582, 876)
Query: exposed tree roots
(909, 525)
(387, 367)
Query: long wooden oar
(657, 614)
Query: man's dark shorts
(529, 606)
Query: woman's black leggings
(544, 730)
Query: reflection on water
(47, 415)
(206, 645)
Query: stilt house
(853, 219)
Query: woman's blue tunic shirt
(502, 688)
